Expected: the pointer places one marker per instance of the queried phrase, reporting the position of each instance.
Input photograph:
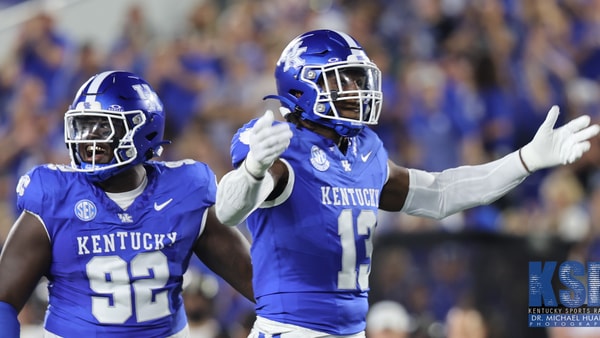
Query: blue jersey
(115, 272)
(311, 247)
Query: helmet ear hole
(151, 136)
(296, 93)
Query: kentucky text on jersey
(123, 240)
(350, 196)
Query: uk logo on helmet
(292, 58)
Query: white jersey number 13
(352, 274)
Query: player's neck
(125, 181)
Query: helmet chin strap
(347, 132)
(341, 129)
(103, 175)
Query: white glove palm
(267, 142)
(551, 147)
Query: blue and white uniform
(115, 272)
(312, 246)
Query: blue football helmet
(322, 74)
(116, 121)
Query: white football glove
(267, 142)
(551, 147)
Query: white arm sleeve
(239, 194)
(440, 194)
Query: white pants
(265, 328)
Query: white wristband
(252, 167)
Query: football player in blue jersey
(310, 188)
(115, 231)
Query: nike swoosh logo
(159, 207)
(365, 157)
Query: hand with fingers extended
(267, 142)
(564, 145)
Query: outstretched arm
(226, 252)
(242, 190)
(25, 258)
(441, 194)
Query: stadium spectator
(199, 292)
(388, 319)
(465, 323)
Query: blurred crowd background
(465, 82)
